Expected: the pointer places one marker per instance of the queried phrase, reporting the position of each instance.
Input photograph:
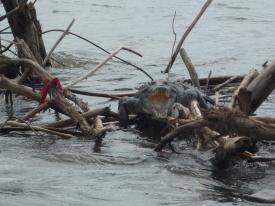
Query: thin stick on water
(99, 47)
(175, 39)
(100, 65)
(57, 42)
(174, 32)
(189, 29)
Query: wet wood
(215, 80)
(245, 82)
(24, 25)
(261, 87)
(86, 115)
(231, 79)
(190, 67)
(186, 33)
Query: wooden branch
(190, 67)
(37, 128)
(99, 47)
(86, 115)
(261, 87)
(100, 94)
(189, 29)
(57, 42)
(208, 80)
(245, 82)
(36, 110)
(90, 73)
(218, 87)
(226, 121)
(9, 13)
(79, 102)
(187, 128)
(216, 80)
(267, 120)
(24, 25)
(21, 90)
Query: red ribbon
(44, 90)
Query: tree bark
(24, 25)
(261, 87)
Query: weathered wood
(218, 87)
(100, 94)
(245, 82)
(227, 121)
(190, 67)
(24, 25)
(261, 87)
(38, 128)
(57, 97)
(57, 42)
(90, 114)
(216, 80)
(21, 90)
(187, 128)
(224, 121)
(186, 33)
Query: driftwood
(216, 80)
(86, 115)
(24, 25)
(236, 98)
(261, 87)
(107, 95)
(184, 36)
(191, 69)
(225, 121)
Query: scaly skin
(156, 100)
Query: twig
(58, 62)
(35, 111)
(180, 130)
(208, 80)
(174, 32)
(57, 42)
(4, 29)
(99, 47)
(97, 94)
(189, 29)
(6, 48)
(99, 66)
(218, 87)
(37, 128)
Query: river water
(233, 37)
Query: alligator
(156, 99)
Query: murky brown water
(233, 37)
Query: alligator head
(157, 99)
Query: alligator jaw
(159, 102)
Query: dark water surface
(233, 37)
